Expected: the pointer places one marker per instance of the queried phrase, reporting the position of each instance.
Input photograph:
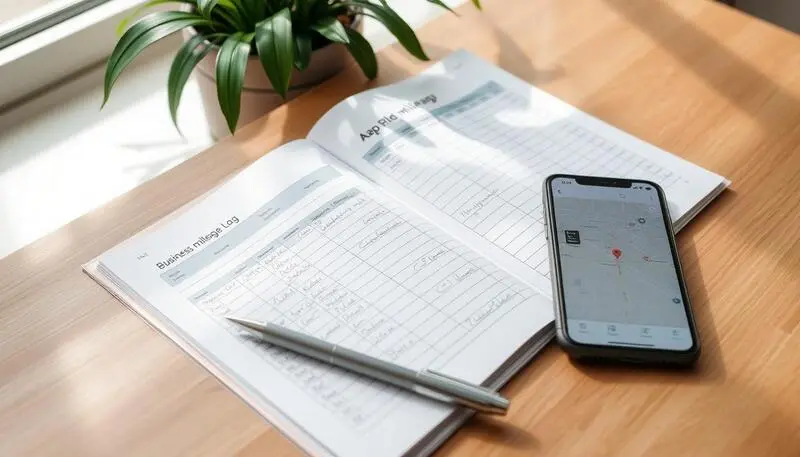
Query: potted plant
(251, 55)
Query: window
(43, 42)
(22, 19)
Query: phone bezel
(626, 353)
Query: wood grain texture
(81, 375)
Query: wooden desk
(80, 375)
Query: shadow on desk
(727, 398)
(712, 61)
(498, 432)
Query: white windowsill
(60, 156)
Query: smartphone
(618, 288)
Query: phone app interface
(618, 275)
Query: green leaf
(332, 29)
(477, 3)
(276, 49)
(395, 24)
(302, 51)
(204, 7)
(231, 18)
(362, 51)
(142, 34)
(123, 24)
(232, 8)
(253, 10)
(236, 14)
(185, 60)
(443, 5)
(231, 66)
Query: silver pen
(426, 382)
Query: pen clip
(460, 381)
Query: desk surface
(81, 375)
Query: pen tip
(245, 323)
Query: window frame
(54, 54)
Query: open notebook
(408, 226)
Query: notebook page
(299, 242)
(468, 145)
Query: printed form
(468, 145)
(308, 245)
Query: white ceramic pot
(258, 96)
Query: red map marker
(616, 252)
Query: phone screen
(618, 275)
